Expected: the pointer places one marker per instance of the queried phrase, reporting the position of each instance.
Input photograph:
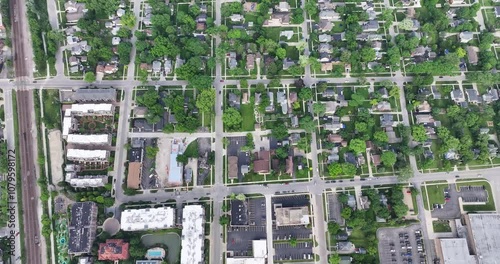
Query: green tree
(243, 83)
(334, 259)
(361, 127)
(460, 52)
(346, 213)
(128, 20)
(406, 24)
(89, 77)
(305, 94)
(388, 158)
(333, 228)
(405, 174)
(319, 109)
(293, 242)
(232, 118)
(334, 169)
(349, 169)
(400, 209)
(357, 145)
(206, 100)
(151, 152)
(418, 133)
(224, 220)
(201, 82)
(307, 123)
(380, 137)
(281, 53)
(275, 83)
(279, 131)
(282, 152)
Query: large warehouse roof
(87, 154)
(455, 251)
(146, 219)
(192, 234)
(88, 139)
(485, 232)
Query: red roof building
(113, 249)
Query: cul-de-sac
(249, 132)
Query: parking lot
(473, 194)
(301, 251)
(282, 235)
(450, 209)
(234, 149)
(239, 238)
(401, 245)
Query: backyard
(247, 113)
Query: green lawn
(490, 204)
(51, 108)
(424, 197)
(441, 226)
(248, 116)
(436, 193)
(414, 201)
(292, 52)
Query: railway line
(27, 144)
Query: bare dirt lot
(56, 156)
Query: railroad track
(27, 144)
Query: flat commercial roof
(292, 216)
(85, 181)
(85, 154)
(259, 248)
(192, 234)
(239, 213)
(485, 232)
(100, 94)
(82, 227)
(455, 251)
(88, 108)
(88, 139)
(134, 175)
(146, 219)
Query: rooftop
(94, 95)
(88, 139)
(455, 251)
(113, 249)
(82, 227)
(291, 215)
(192, 234)
(149, 218)
(485, 229)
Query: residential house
(287, 63)
(233, 63)
(383, 93)
(201, 26)
(424, 107)
(325, 48)
(335, 125)
(368, 37)
(451, 155)
(294, 121)
(115, 41)
(335, 138)
(236, 18)
(391, 134)
(156, 67)
(329, 15)
(473, 96)
(261, 163)
(120, 12)
(168, 66)
(325, 25)
(330, 107)
(497, 11)
(289, 165)
(327, 66)
(375, 160)
(73, 61)
(201, 18)
(387, 120)
(110, 68)
(456, 2)
(292, 97)
(435, 92)
(74, 11)
(457, 95)
(370, 26)
(367, 5)
(424, 119)
(99, 72)
(382, 106)
(234, 100)
(328, 93)
(270, 107)
(472, 55)
(281, 97)
(377, 45)
(325, 38)
(278, 19)
(490, 96)
(250, 63)
(465, 37)
(283, 6)
(339, 36)
(416, 25)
